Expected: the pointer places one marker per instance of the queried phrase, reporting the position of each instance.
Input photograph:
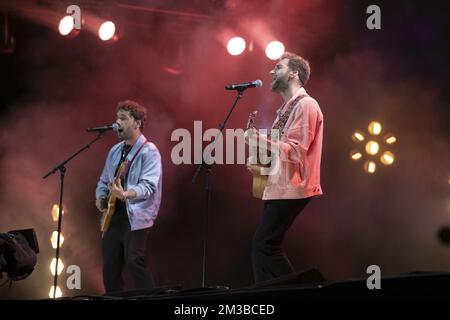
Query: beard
(279, 85)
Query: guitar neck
(251, 120)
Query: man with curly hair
(137, 193)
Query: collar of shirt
(285, 105)
(136, 147)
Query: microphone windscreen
(258, 83)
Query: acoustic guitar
(259, 180)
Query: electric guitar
(111, 202)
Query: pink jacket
(300, 147)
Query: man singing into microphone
(297, 179)
(138, 195)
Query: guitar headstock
(251, 119)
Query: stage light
(53, 266)
(387, 158)
(390, 139)
(54, 239)
(56, 271)
(372, 147)
(355, 155)
(358, 136)
(370, 167)
(274, 50)
(236, 46)
(52, 291)
(375, 128)
(66, 25)
(107, 31)
(55, 211)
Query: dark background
(171, 57)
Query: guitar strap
(123, 156)
(282, 119)
(128, 164)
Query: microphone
(114, 127)
(243, 86)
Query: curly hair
(136, 110)
(299, 64)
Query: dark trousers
(120, 247)
(268, 259)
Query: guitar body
(106, 217)
(259, 181)
(111, 203)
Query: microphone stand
(208, 168)
(62, 170)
